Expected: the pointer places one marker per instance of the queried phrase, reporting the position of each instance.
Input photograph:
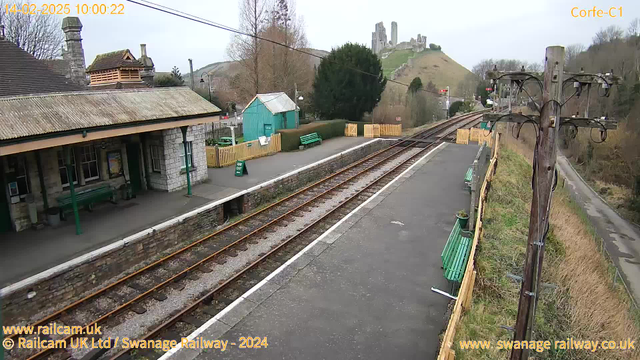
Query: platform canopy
(31, 122)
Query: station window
(189, 155)
(21, 185)
(156, 158)
(64, 179)
(89, 162)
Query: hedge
(290, 138)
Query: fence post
(474, 195)
(216, 153)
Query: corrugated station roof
(23, 116)
(114, 60)
(21, 73)
(276, 102)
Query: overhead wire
(187, 16)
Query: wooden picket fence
(372, 130)
(377, 130)
(351, 130)
(475, 134)
(463, 302)
(390, 130)
(462, 136)
(225, 156)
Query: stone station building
(126, 140)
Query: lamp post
(297, 97)
(208, 83)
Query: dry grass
(599, 309)
(586, 304)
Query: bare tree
(39, 35)
(287, 67)
(534, 67)
(609, 34)
(571, 52)
(481, 68)
(634, 28)
(245, 49)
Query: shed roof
(21, 73)
(277, 102)
(114, 60)
(24, 116)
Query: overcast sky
(468, 30)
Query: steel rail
(428, 132)
(221, 251)
(177, 252)
(210, 294)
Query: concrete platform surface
(30, 252)
(363, 290)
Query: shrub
(290, 138)
(454, 108)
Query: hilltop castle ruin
(379, 41)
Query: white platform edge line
(257, 286)
(8, 290)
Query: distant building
(267, 113)
(379, 41)
(116, 70)
(55, 133)
(394, 33)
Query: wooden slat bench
(86, 198)
(455, 254)
(468, 177)
(310, 139)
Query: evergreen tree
(175, 73)
(340, 90)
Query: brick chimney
(74, 54)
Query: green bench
(310, 139)
(468, 177)
(455, 254)
(86, 198)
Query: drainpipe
(72, 191)
(186, 158)
(43, 188)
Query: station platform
(363, 289)
(30, 252)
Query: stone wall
(64, 287)
(296, 181)
(173, 147)
(51, 174)
(99, 271)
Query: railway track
(268, 237)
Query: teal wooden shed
(267, 113)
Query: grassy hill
(429, 65)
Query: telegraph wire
(187, 16)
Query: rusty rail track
(312, 192)
(283, 252)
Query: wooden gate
(372, 130)
(225, 156)
(351, 130)
(462, 136)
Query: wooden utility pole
(544, 163)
